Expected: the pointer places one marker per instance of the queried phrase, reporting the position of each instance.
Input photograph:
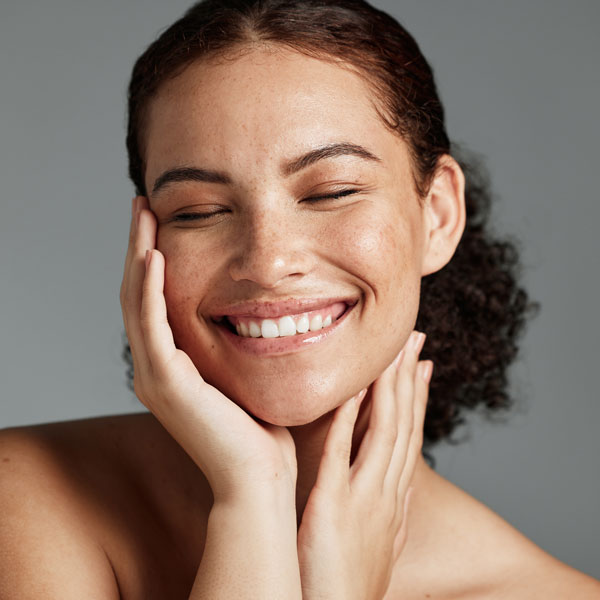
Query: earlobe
(445, 215)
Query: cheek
(384, 253)
(188, 275)
(382, 250)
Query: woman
(295, 185)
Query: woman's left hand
(353, 527)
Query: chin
(285, 416)
(284, 402)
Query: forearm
(250, 551)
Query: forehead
(265, 103)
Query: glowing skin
(246, 118)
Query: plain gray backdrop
(520, 81)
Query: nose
(270, 251)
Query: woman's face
(282, 198)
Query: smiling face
(279, 192)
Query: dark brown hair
(472, 310)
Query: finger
(422, 380)
(158, 336)
(144, 239)
(132, 227)
(378, 442)
(406, 396)
(378, 450)
(402, 535)
(145, 236)
(335, 459)
(136, 203)
(123, 293)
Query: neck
(309, 440)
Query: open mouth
(286, 325)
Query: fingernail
(148, 256)
(417, 341)
(356, 399)
(399, 358)
(426, 370)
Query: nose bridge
(270, 248)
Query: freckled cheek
(376, 251)
(188, 275)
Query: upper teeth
(285, 326)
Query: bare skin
(126, 487)
(199, 499)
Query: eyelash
(337, 195)
(184, 217)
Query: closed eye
(199, 216)
(204, 216)
(335, 196)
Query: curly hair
(473, 310)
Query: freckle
(6, 459)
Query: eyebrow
(189, 174)
(181, 174)
(329, 151)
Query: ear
(444, 215)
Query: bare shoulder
(467, 551)
(537, 574)
(92, 503)
(44, 541)
(518, 569)
(532, 579)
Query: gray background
(520, 81)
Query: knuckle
(145, 320)
(388, 437)
(127, 301)
(338, 452)
(387, 432)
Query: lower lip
(283, 345)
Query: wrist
(250, 545)
(263, 501)
(277, 489)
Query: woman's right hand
(236, 453)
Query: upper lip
(279, 308)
